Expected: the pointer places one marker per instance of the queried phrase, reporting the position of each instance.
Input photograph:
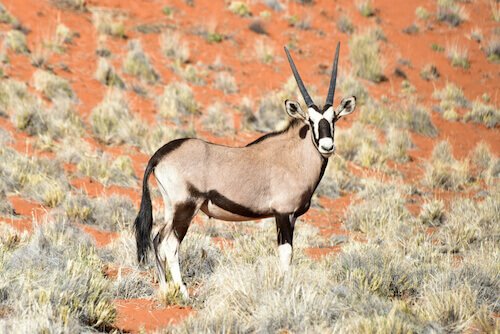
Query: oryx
(274, 176)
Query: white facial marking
(285, 253)
(326, 146)
(328, 114)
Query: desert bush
(239, 8)
(408, 115)
(53, 282)
(107, 170)
(365, 7)
(194, 74)
(350, 86)
(397, 144)
(40, 179)
(371, 213)
(226, 82)
(443, 171)
(51, 85)
(16, 41)
(173, 47)
(137, 63)
(113, 213)
(109, 22)
(422, 14)
(430, 72)
(459, 57)
(492, 49)
(432, 213)
(337, 179)
(364, 52)
(476, 34)
(6, 16)
(264, 51)
(344, 24)
(107, 75)
(483, 114)
(484, 164)
(78, 5)
(177, 101)
(217, 120)
(128, 285)
(451, 97)
(450, 12)
(359, 145)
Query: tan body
(253, 176)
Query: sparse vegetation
(16, 41)
(344, 24)
(226, 82)
(364, 51)
(107, 170)
(443, 171)
(365, 7)
(173, 47)
(492, 49)
(264, 51)
(109, 22)
(217, 121)
(106, 74)
(51, 85)
(422, 14)
(6, 16)
(484, 114)
(430, 72)
(137, 63)
(451, 97)
(239, 8)
(451, 12)
(459, 57)
(177, 101)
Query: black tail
(144, 222)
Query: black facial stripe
(324, 129)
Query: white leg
(285, 254)
(170, 249)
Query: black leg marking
(285, 224)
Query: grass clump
(239, 8)
(137, 63)
(6, 16)
(109, 22)
(16, 41)
(54, 282)
(492, 49)
(194, 74)
(351, 86)
(107, 75)
(337, 179)
(450, 12)
(443, 171)
(430, 72)
(217, 120)
(108, 213)
(264, 51)
(51, 85)
(422, 14)
(365, 8)
(398, 142)
(226, 82)
(173, 47)
(432, 213)
(344, 24)
(364, 52)
(404, 116)
(459, 57)
(483, 114)
(484, 164)
(77, 5)
(108, 170)
(177, 101)
(361, 146)
(451, 97)
(39, 179)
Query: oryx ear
(346, 107)
(294, 110)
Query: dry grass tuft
(217, 121)
(264, 51)
(109, 22)
(459, 57)
(16, 41)
(177, 101)
(483, 114)
(450, 12)
(364, 51)
(173, 47)
(107, 75)
(137, 63)
(443, 171)
(51, 85)
(108, 170)
(226, 82)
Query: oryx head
(321, 120)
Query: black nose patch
(324, 129)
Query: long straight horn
(307, 99)
(333, 80)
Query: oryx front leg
(285, 225)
